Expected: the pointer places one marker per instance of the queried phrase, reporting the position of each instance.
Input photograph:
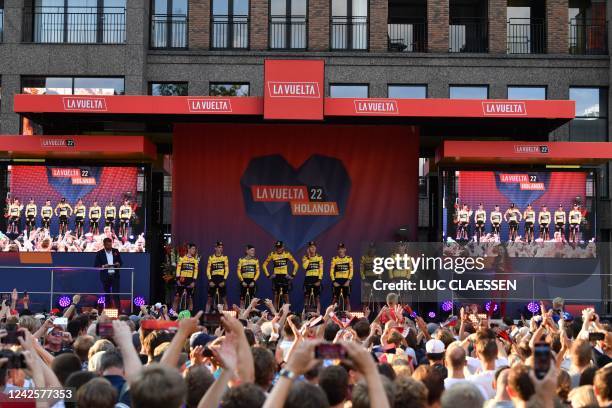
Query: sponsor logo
(504, 108)
(209, 105)
(293, 89)
(376, 106)
(531, 149)
(84, 104)
(50, 143)
(304, 200)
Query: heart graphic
(59, 178)
(326, 173)
(513, 190)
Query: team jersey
(217, 266)
(464, 215)
(313, 266)
(496, 217)
(80, 211)
(187, 267)
(125, 212)
(95, 212)
(341, 268)
(31, 210)
(15, 210)
(110, 211)
(575, 217)
(367, 266)
(480, 216)
(529, 216)
(560, 217)
(248, 268)
(544, 217)
(46, 211)
(400, 273)
(512, 216)
(63, 210)
(280, 263)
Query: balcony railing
(169, 31)
(587, 37)
(526, 36)
(75, 25)
(468, 35)
(229, 32)
(288, 32)
(349, 34)
(407, 35)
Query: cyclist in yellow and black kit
(46, 213)
(248, 273)
(187, 269)
(217, 270)
(14, 213)
(312, 263)
(63, 210)
(79, 217)
(366, 270)
(341, 273)
(544, 221)
(575, 218)
(31, 211)
(280, 275)
(125, 216)
(110, 214)
(560, 221)
(95, 213)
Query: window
(591, 122)
(227, 89)
(527, 92)
(230, 24)
(72, 86)
(168, 89)
(469, 92)
(349, 25)
(1, 18)
(288, 24)
(348, 91)
(407, 91)
(169, 23)
(75, 21)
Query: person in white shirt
(486, 350)
(455, 361)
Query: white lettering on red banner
(531, 149)
(209, 105)
(50, 143)
(376, 106)
(65, 172)
(83, 181)
(514, 178)
(279, 193)
(532, 186)
(84, 104)
(293, 89)
(504, 108)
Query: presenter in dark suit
(107, 259)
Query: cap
(311, 243)
(434, 346)
(341, 245)
(219, 243)
(279, 244)
(200, 339)
(249, 246)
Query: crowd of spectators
(262, 357)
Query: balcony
(587, 37)
(169, 31)
(74, 25)
(468, 35)
(288, 33)
(349, 33)
(229, 32)
(407, 35)
(526, 36)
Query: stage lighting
(490, 304)
(413, 314)
(102, 300)
(112, 313)
(432, 315)
(139, 301)
(64, 301)
(533, 307)
(447, 306)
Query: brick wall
(259, 25)
(437, 25)
(557, 27)
(318, 25)
(199, 24)
(378, 25)
(497, 26)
